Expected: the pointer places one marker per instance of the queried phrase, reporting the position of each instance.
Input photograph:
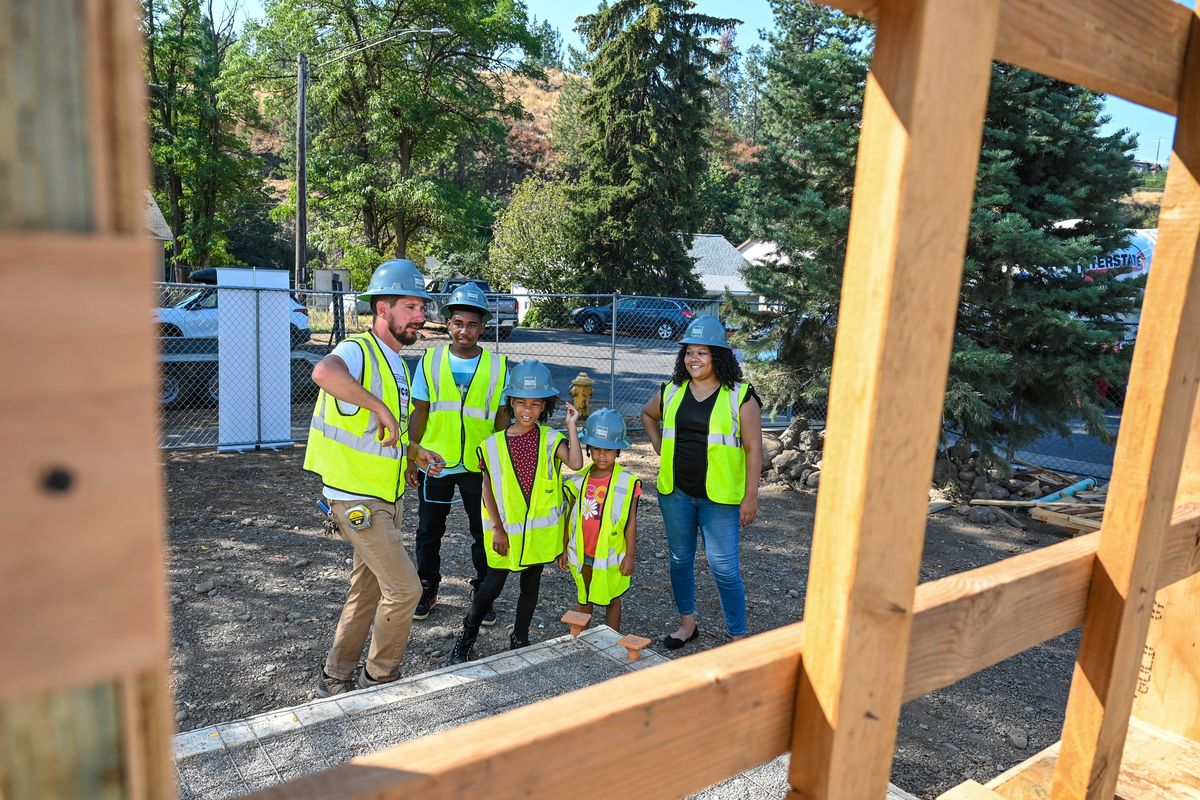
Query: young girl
(522, 499)
(601, 534)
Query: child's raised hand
(572, 415)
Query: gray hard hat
(398, 277)
(605, 428)
(705, 330)
(470, 297)
(530, 379)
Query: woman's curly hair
(725, 366)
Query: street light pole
(301, 266)
(301, 172)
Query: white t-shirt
(351, 353)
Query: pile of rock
(794, 457)
(963, 471)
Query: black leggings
(493, 584)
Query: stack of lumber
(1063, 500)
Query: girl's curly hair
(725, 366)
(547, 412)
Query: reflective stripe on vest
(725, 479)
(532, 539)
(344, 449)
(457, 425)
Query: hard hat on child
(530, 379)
(605, 428)
(468, 296)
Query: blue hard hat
(396, 277)
(705, 330)
(468, 296)
(605, 428)
(531, 379)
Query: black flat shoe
(671, 643)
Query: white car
(196, 317)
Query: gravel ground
(256, 588)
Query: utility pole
(301, 276)
(1157, 145)
(301, 267)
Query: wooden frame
(833, 702)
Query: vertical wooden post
(1150, 451)
(918, 153)
(84, 693)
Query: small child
(522, 499)
(601, 536)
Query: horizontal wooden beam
(966, 622)
(1133, 50)
(657, 726)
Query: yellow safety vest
(457, 425)
(343, 448)
(726, 478)
(534, 528)
(607, 582)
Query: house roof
(718, 264)
(156, 223)
(758, 252)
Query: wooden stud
(87, 425)
(1131, 50)
(963, 623)
(918, 151)
(1146, 467)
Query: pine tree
(1034, 333)
(1033, 339)
(647, 116)
(809, 115)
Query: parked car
(189, 371)
(195, 317)
(655, 317)
(503, 307)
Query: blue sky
(756, 16)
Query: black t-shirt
(691, 439)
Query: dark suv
(654, 317)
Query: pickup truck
(503, 307)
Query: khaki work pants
(384, 590)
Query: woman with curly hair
(706, 424)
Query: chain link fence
(222, 391)
(221, 388)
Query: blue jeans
(719, 524)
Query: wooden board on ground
(1157, 765)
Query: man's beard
(405, 336)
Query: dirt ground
(255, 590)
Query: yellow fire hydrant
(581, 394)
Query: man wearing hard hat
(357, 444)
(456, 405)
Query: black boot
(515, 644)
(466, 640)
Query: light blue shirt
(463, 369)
